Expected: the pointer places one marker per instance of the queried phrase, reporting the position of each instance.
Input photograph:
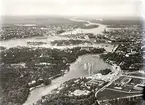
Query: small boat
(41, 37)
(36, 43)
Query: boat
(41, 37)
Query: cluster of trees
(105, 72)
(69, 42)
(125, 35)
(10, 32)
(62, 98)
(125, 62)
(14, 80)
(73, 84)
(25, 54)
(66, 100)
(14, 89)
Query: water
(95, 31)
(48, 39)
(23, 42)
(76, 70)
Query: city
(72, 52)
(97, 69)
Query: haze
(71, 7)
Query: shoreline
(95, 55)
(68, 46)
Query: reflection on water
(76, 70)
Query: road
(123, 91)
(134, 76)
(117, 73)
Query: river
(23, 41)
(95, 31)
(76, 70)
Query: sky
(71, 7)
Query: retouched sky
(71, 7)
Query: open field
(112, 94)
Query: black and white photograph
(72, 52)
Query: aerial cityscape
(72, 60)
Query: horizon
(70, 16)
(100, 8)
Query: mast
(92, 72)
(90, 68)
